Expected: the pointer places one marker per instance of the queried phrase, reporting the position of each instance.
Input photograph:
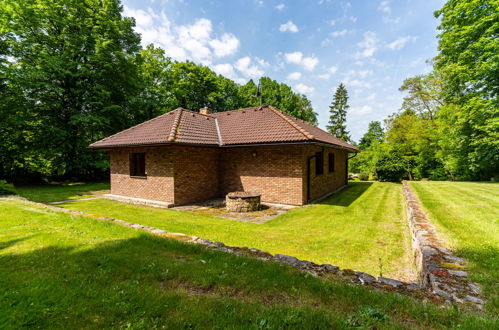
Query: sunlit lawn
(68, 272)
(362, 228)
(58, 192)
(467, 215)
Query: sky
(371, 46)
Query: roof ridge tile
(174, 128)
(292, 123)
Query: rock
(414, 286)
(474, 300)
(218, 244)
(330, 268)
(285, 259)
(157, 231)
(442, 293)
(304, 264)
(475, 288)
(365, 278)
(390, 281)
(459, 273)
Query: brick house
(183, 157)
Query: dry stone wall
(439, 270)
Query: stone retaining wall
(439, 270)
(442, 278)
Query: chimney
(205, 111)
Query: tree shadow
(348, 195)
(7, 244)
(46, 193)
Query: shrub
(364, 176)
(6, 188)
(391, 167)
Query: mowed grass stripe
(470, 223)
(352, 229)
(63, 271)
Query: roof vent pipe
(205, 111)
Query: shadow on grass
(46, 193)
(149, 282)
(348, 195)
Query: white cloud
(368, 45)
(280, 6)
(304, 89)
(384, 7)
(361, 110)
(288, 27)
(332, 69)
(294, 57)
(245, 66)
(400, 43)
(371, 97)
(182, 42)
(309, 63)
(339, 33)
(227, 45)
(294, 76)
(225, 69)
(323, 76)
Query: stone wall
(439, 270)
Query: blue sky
(370, 46)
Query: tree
(72, 70)
(467, 62)
(424, 95)
(338, 111)
(374, 134)
(155, 95)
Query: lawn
(58, 192)
(362, 228)
(63, 271)
(466, 214)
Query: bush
(6, 188)
(364, 176)
(391, 167)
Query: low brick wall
(439, 270)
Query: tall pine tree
(338, 114)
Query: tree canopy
(73, 72)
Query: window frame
(319, 163)
(330, 162)
(137, 165)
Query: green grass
(58, 192)
(467, 215)
(63, 271)
(352, 229)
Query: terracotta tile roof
(255, 125)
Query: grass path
(353, 229)
(63, 271)
(467, 215)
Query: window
(330, 162)
(138, 164)
(319, 163)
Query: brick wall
(275, 172)
(182, 174)
(327, 182)
(159, 168)
(196, 174)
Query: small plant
(7, 188)
(366, 317)
(364, 176)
